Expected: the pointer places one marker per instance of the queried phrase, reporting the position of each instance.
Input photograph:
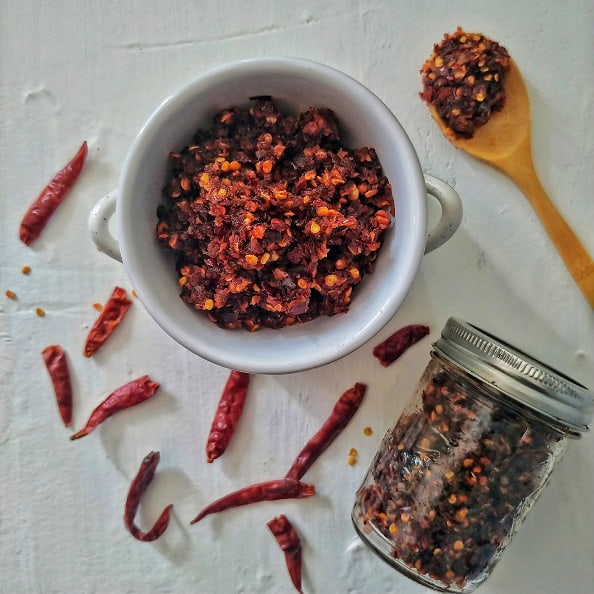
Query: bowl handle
(98, 223)
(451, 212)
(451, 217)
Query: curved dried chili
(109, 319)
(139, 485)
(55, 360)
(343, 411)
(51, 197)
(227, 414)
(125, 396)
(397, 343)
(287, 538)
(285, 488)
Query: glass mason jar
(469, 456)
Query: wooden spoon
(505, 143)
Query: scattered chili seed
(51, 197)
(288, 539)
(227, 414)
(97, 306)
(125, 396)
(26, 269)
(280, 219)
(133, 293)
(139, 485)
(367, 431)
(109, 319)
(10, 294)
(40, 312)
(343, 411)
(351, 460)
(56, 362)
(285, 488)
(396, 344)
(464, 80)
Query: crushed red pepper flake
(464, 80)
(272, 220)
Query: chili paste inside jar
(465, 462)
(272, 220)
(464, 80)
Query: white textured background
(76, 70)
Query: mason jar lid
(516, 374)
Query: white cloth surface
(96, 70)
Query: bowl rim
(244, 360)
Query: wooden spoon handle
(520, 168)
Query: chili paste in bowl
(272, 220)
(464, 80)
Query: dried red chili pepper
(285, 488)
(343, 411)
(57, 367)
(139, 485)
(390, 349)
(290, 543)
(109, 319)
(227, 414)
(51, 197)
(125, 396)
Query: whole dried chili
(290, 543)
(139, 485)
(396, 344)
(343, 411)
(109, 319)
(57, 367)
(227, 414)
(125, 396)
(285, 488)
(51, 197)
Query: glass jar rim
(516, 374)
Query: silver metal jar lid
(516, 374)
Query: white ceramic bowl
(296, 85)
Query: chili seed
(10, 294)
(40, 312)
(26, 269)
